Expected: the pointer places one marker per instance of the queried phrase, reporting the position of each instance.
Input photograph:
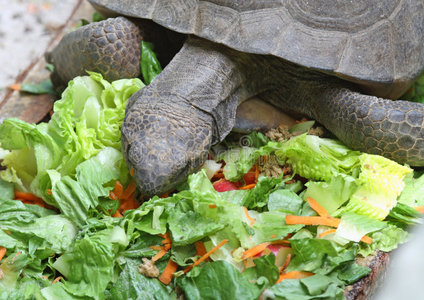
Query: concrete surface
(28, 28)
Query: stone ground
(28, 28)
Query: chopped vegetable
(255, 250)
(327, 221)
(168, 272)
(294, 275)
(2, 252)
(317, 207)
(206, 256)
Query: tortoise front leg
(110, 47)
(170, 125)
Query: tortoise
(338, 62)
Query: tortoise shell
(376, 43)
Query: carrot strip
(327, 232)
(164, 195)
(251, 220)
(49, 192)
(168, 272)
(159, 255)
(164, 236)
(419, 209)
(248, 187)
(212, 205)
(366, 239)
(2, 252)
(56, 279)
(118, 190)
(129, 190)
(204, 257)
(15, 87)
(26, 196)
(117, 214)
(112, 196)
(166, 240)
(157, 248)
(132, 172)
(294, 275)
(200, 248)
(254, 250)
(327, 221)
(317, 207)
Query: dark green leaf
(44, 87)
(97, 17)
(132, 285)
(149, 64)
(218, 280)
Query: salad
(282, 218)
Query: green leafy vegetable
(149, 64)
(44, 87)
(218, 280)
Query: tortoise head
(164, 143)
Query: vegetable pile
(74, 226)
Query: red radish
(224, 185)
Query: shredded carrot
(2, 252)
(273, 236)
(317, 207)
(56, 279)
(15, 87)
(129, 190)
(159, 255)
(294, 275)
(286, 263)
(26, 196)
(132, 172)
(167, 240)
(212, 205)
(200, 248)
(327, 232)
(118, 190)
(251, 220)
(157, 248)
(366, 239)
(117, 214)
(419, 209)
(254, 250)
(112, 196)
(168, 272)
(44, 276)
(164, 195)
(49, 192)
(327, 221)
(206, 256)
(248, 187)
(165, 235)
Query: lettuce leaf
(218, 280)
(132, 285)
(318, 158)
(314, 287)
(86, 120)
